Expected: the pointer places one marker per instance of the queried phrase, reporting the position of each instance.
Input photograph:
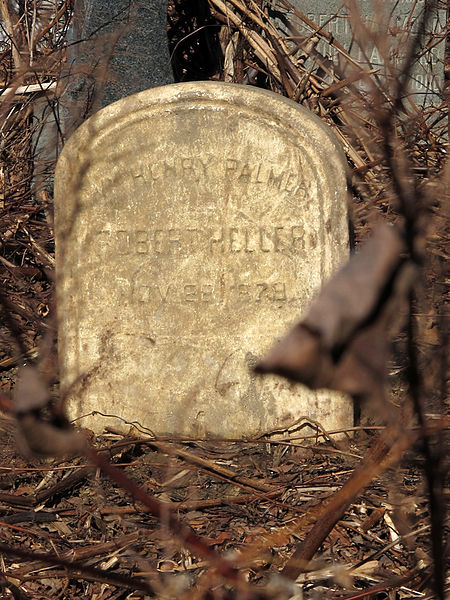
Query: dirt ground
(250, 501)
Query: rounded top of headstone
(214, 96)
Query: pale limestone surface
(194, 223)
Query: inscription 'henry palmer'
(240, 171)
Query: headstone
(397, 19)
(194, 223)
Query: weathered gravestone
(395, 20)
(115, 49)
(194, 223)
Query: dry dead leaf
(39, 433)
(341, 344)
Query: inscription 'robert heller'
(194, 223)
(175, 242)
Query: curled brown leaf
(341, 343)
(40, 429)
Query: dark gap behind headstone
(194, 44)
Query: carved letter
(143, 293)
(170, 169)
(289, 184)
(244, 292)
(154, 171)
(276, 239)
(163, 295)
(158, 241)
(262, 289)
(123, 242)
(279, 292)
(205, 164)
(141, 242)
(261, 240)
(257, 176)
(190, 292)
(207, 292)
(233, 240)
(103, 238)
(186, 164)
(297, 237)
(230, 166)
(247, 249)
(191, 240)
(216, 240)
(175, 240)
(245, 173)
(275, 180)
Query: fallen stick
(381, 457)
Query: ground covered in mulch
(250, 501)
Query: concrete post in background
(115, 48)
(119, 48)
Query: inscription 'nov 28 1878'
(194, 224)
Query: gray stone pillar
(119, 47)
(115, 48)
